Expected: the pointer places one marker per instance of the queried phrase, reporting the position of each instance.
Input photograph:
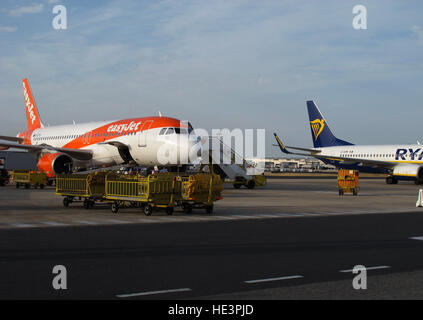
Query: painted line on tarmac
(274, 279)
(245, 216)
(148, 293)
(267, 215)
(286, 214)
(171, 219)
(54, 223)
(21, 225)
(367, 268)
(87, 222)
(417, 238)
(117, 221)
(147, 220)
(225, 217)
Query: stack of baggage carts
(159, 191)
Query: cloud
(8, 29)
(418, 31)
(255, 63)
(37, 8)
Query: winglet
(280, 144)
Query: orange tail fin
(32, 115)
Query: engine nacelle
(409, 170)
(55, 163)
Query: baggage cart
(155, 191)
(86, 188)
(29, 178)
(348, 182)
(200, 191)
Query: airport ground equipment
(348, 182)
(87, 188)
(200, 191)
(236, 170)
(29, 178)
(154, 191)
(4, 177)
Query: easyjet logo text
(124, 127)
(29, 106)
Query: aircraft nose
(189, 149)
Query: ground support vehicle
(256, 181)
(348, 182)
(4, 177)
(29, 178)
(87, 188)
(200, 191)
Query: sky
(219, 64)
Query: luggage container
(200, 191)
(348, 182)
(156, 191)
(86, 188)
(153, 191)
(28, 178)
(256, 181)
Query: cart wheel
(209, 209)
(17, 185)
(169, 211)
(341, 192)
(115, 207)
(251, 184)
(41, 186)
(66, 202)
(354, 192)
(148, 210)
(187, 208)
(237, 185)
(92, 203)
(86, 204)
(35, 186)
(27, 185)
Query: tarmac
(280, 198)
(292, 239)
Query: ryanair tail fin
(32, 115)
(320, 131)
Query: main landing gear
(391, 180)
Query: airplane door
(142, 138)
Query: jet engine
(55, 163)
(409, 170)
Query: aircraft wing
(74, 153)
(359, 162)
(14, 139)
(344, 160)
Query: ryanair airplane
(400, 162)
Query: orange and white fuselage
(95, 144)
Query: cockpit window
(181, 130)
(162, 131)
(170, 130)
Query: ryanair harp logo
(317, 127)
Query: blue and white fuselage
(403, 162)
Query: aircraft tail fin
(32, 115)
(321, 134)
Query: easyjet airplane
(400, 162)
(95, 144)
